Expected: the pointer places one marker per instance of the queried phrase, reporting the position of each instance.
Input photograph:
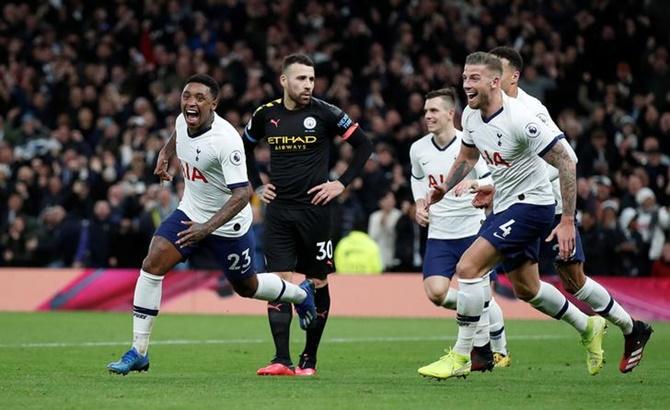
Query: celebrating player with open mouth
(214, 214)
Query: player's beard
(298, 99)
(483, 100)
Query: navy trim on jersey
(432, 139)
(469, 145)
(415, 177)
(199, 133)
(549, 146)
(561, 136)
(249, 137)
(495, 114)
(485, 175)
(238, 185)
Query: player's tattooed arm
(164, 156)
(464, 163)
(564, 232)
(561, 160)
(196, 231)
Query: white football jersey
(511, 141)
(453, 217)
(540, 111)
(212, 163)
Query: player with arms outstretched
(513, 143)
(453, 222)
(214, 214)
(571, 271)
(299, 129)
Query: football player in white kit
(214, 213)
(571, 271)
(453, 222)
(513, 143)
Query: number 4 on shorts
(506, 228)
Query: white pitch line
(38, 345)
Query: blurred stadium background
(89, 92)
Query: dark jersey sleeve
(253, 133)
(255, 130)
(339, 122)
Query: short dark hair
(447, 94)
(491, 62)
(511, 55)
(296, 58)
(205, 80)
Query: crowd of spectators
(89, 92)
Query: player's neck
(494, 104)
(444, 136)
(513, 91)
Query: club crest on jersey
(309, 123)
(236, 157)
(197, 154)
(532, 130)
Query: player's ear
(214, 104)
(515, 76)
(283, 80)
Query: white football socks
(273, 288)
(603, 304)
(450, 300)
(146, 304)
(469, 310)
(552, 302)
(482, 333)
(497, 328)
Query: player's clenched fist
(162, 165)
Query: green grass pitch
(57, 360)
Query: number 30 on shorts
(235, 260)
(325, 250)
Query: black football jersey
(299, 142)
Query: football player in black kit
(298, 129)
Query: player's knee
(243, 289)
(153, 265)
(524, 291)
(572, 276)
(435, 297)
(466, 269)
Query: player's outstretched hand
(483, 196)
(195, 233)
(466, 186)
(325, 192)
(266, 193)
(162, 165)
(435, 195)
(421, 214)
(565, 235)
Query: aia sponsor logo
(495, 159)
(192, 173)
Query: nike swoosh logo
(246, 270)
(424, 163)
(498, 236)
